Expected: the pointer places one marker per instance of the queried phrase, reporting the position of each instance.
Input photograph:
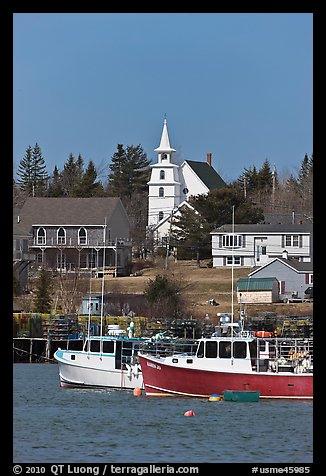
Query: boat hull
(168, 380)
(95, 371)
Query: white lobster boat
(109, 361)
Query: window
(61, 236)
(162, 174)
(161, 192)
(211, 349)
(236, 260)
(225, 350)
(232, 240)
(292, 240)
(108, 347)
(165, 156)
(41, 237)
(82, 240)
(200, 351)
(239, 350)
(160, 216)
(95, 346)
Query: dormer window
(161, 192)
(162, 174)
(61, 236)
(41, 236)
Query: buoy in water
(214, 398)
(137, 392)
(189, 413)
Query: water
(56, 425)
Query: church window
(165, 156)
(160, 216)
(161, 192)
(162, 174)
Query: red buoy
(189, 413)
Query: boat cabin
(123, 349)
(257, 354)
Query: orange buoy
(189, 413)
(137, 392)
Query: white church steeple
(164, 184)
(164, 150)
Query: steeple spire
(165, 141)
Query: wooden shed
(257, 290)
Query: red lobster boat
(275, 367)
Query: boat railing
(284, 355)
(167, 347)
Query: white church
(171, 186)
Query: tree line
(256, 194)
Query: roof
(255, 284)
(266, 228)
(207, 174)
(66, 211)
(296, 265)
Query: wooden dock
(40, 349)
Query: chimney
(209, 158)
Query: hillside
(200, 285)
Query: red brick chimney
(209, 158)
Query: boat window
(200, 351)
(95, 346)
(127, 348)
(108, 347)
(211, 349)
(225, 350)
(239, 350)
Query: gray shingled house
(67, 234)
(293, 276)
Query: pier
(40, 349)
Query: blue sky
(238, 85)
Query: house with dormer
(171, 185)
(76, 234)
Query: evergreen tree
(88, 187)
(32, 172)
(129, 172)
(70, 176)
(265, 178)
(55, 185)
(43, 292)
(164, 294)
(39, 171)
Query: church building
(171, 186)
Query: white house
(254, 245)
(171, 185)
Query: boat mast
(102, 291)
(232, 272)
